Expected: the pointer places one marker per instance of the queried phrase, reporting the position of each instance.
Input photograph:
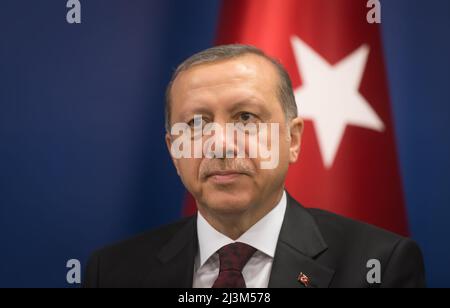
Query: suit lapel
(299, 244)
(177, 257)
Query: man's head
(234, 84)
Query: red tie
(233, 258)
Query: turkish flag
(348, 162)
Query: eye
(247, 117)
(197, 122)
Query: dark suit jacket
(331, 250)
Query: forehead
(248, 74)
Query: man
(248, 231)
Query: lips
(223, 172)
(224, 176)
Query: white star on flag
(330, 97)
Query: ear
(296, 131)
(169, 147)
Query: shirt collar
(263, 235)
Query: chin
(228, 202)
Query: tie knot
(233, 257)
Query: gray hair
(224, 52)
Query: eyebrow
(250, 102)
(186, 115)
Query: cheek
(285, 144)
(277, 147)
(284, 149)
(188, 169)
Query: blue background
(82, 156)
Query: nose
(225, 143)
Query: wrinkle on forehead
(246, 71)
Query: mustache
(211, 167)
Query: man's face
(241, 90)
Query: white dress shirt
(263, 236)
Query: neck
(233, 225)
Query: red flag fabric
(348, 162)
